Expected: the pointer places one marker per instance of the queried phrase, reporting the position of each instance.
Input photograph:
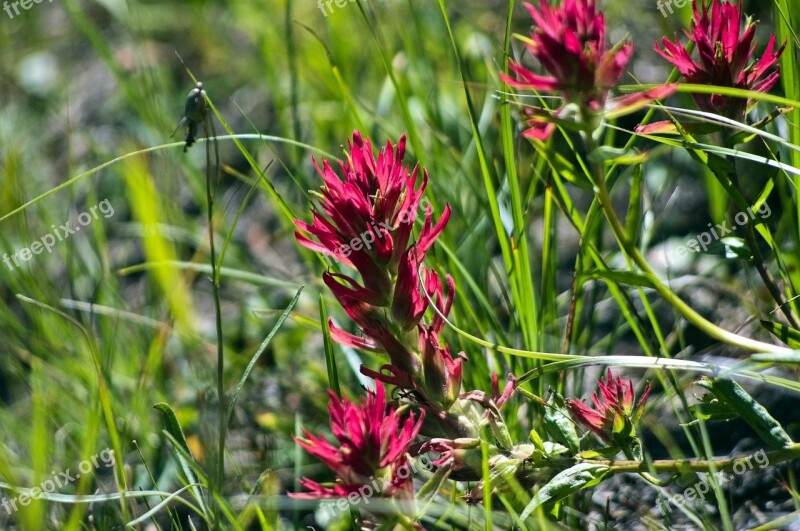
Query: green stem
(632, 251)
(726, 464)
(732, 187)
(215, 283)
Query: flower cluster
(365, 220)
(373, 442)
(725, 57)
(615, 414)
(374, 203)
(569, 41)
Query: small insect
(194, 113)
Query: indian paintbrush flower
(366, 218)
(615, 414)
(569, 41)
(366, 222)
(725, 52)
(372, 443)
(441, 382)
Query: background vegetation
(120, 316)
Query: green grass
(120, 316)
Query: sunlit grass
(120, 317)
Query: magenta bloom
(725, 57)
(367, 215)
(371, 448)
(569, 41)
(615, 413)
(366, 221)
(427, 366)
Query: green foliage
(117, 319)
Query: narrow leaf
(330, 360)
(566, 482)
(788, 335)
(173, 428)
(558, 424)
(756, 415)
(259, 352)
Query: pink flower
(569, 41)
(409, 303)
(366, 220)
(427, 366)
(615, 414)
(367, 214)
(441, 382)
(725, 52)
(372, 443)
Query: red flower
(725, 52)
(408, 306)
(409, 303)
(441, 383)
(365, 222)
(367, 217)
(371, 448)
(569, 42)
(427, 366)
(615, 415)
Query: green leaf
(566, 482)
(604, 452)
(537, 441)
(427, 493)
(719, 165)
(792, 357)
(709, 408)
(619, 277)
(330, 359)
(164, 504)
(788, 335)
(259, 352)
(617, 155)
(565, 168)
(732, 394)
(173, 428)
(559, 425)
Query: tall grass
(121, 316)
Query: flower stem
(731, 185)
(208, 126)
(725, 464)
(632, 251)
